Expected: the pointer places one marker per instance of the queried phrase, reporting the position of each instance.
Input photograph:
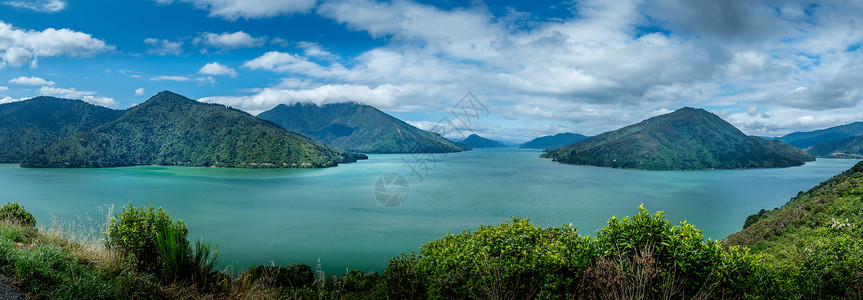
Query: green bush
(512, 260)
(48, 272)
(296, 276)
(12, 212)
(135, 233)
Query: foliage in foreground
(643, 257)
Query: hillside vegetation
(476, 141)
(845, 148)
(686, 139)
(359, 128)
(169, 129)
(31, 124)
(804, 140)
(553, 141)
(816, 239)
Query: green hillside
(358, 128)
(30, 124)
(815, 241)
(169, 129)
(845, 148)
(554, 141)
(804, 140)
(686, 139)
(476, 141)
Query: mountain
(685, 139)
(475, 141)
(845, 148)
(358, 128)
(30, 124)
(804, 140)
(554, 141)
(169, 129)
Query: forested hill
(476, 141)
(804, 140)
(359, 128)
(846, 148)
(685, 139)
(30, 124)
(554, 141)
(169, 129)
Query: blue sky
(540, 67)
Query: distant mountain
(804, 140)
(685, 139)
(846, 148)
(30, 124)
(554, 141)
(475, 141)
(359, 128)
(169, 129)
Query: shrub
(512, 260)
(299, 275)
(12, 212)
(134, 233)
(651, 259)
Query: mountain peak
(688, 138)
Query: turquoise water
(300, 216)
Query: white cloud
(17, 46)
(228, 41)
(72, 93)
(139, 92)
(164, 47)
(47, 6)
(3, 88)
(215, 68)
(8, 99)
(30, 81)
(102, 101)
(315, 49)
(611, 64)
(382, 96)
(249, 9)
(170, 78)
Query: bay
(332, 215)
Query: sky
(539, 67)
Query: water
(300, 216)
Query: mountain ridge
(170, 129)
(553, 141)
(358, 127)
(686, 139)
(476, 141)
(33, 123)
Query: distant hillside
(30, 124)
(169, 129)
(359, 128)
(804, 140)
(554, 141)
(475, 141)
(845, 148)
(685, 139)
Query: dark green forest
(169, 129)
(845, 148)
(476, 141)
(29, 125)
(686, 139)
(553, 141)
(359, 128)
